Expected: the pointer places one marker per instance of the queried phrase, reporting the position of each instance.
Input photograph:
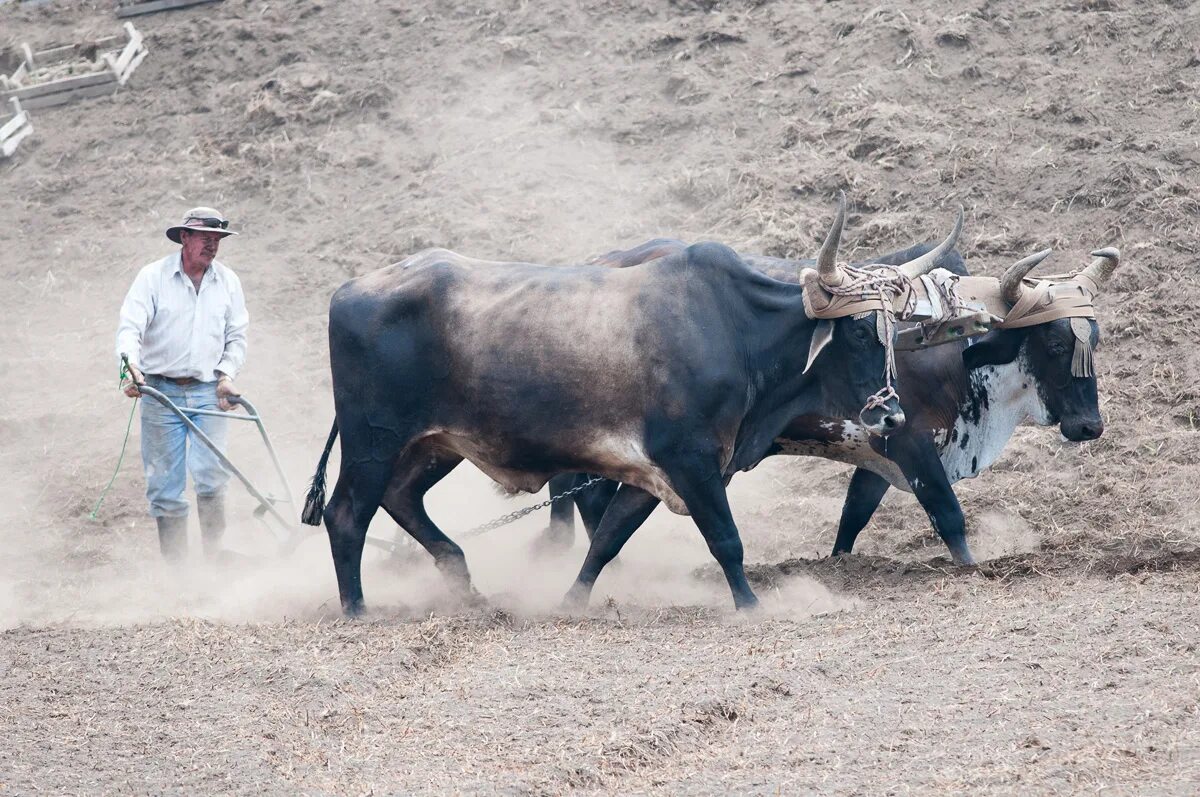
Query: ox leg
(919, 461)
(355, 499)
(709, 506)
(560, 534)
(593, 503)
(629, 509)
(862, 499)
(404, 500)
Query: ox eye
(1057, 347)
(860, 333)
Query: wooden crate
(133, 8)
(14, 130)
(60, 75)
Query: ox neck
(997, 399)
(779, 389)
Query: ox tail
(314, 504)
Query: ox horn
(1100, 269)
(827, 259)
(1010, 283)
(930, 260)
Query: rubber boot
(211, 509)
(172, 538)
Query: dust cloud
(122, 581)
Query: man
(183, 330)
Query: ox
(668, 377)
(962, 400)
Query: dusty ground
(341, 136)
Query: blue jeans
(168, 453)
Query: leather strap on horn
(864, 290)
(1044, 300)
(829, 302)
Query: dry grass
(930, 692)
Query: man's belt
(178, 380)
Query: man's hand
(129, 385)
(225, 391)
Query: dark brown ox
(962, 400)
(668, 377)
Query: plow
(273, 510)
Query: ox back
(962, 403)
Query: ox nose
(882, 423)
(892, 422)
(1078, 431)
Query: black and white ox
(961, 400)
(668, 377)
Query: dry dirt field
(341, 136)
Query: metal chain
(511, 517)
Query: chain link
(511, 517)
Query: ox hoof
(469, 597)
(746, 603)
(353, 609)
(577, 597)
(963, 558)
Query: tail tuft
(314, 504)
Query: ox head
(850, 346)
(1052, 332)
(857, 309)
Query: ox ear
(820, 339)
(998, 347)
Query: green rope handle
(121, 458)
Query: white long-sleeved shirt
(169, 328)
